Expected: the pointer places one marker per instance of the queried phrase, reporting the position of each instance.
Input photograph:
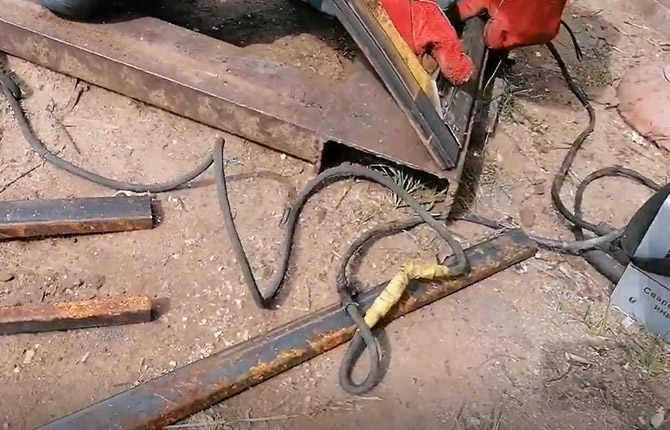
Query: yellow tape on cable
(393, 291)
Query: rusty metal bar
(194, 387)
(41, 218)
(74, 315)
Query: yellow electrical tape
(393, 291)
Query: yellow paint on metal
(381, 17)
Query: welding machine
(643, 293)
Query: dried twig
(561, 376)
(634, 25)
(497, 356)
(344, 195)
(4, 187)
(50, 108)
(80, 88)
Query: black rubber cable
(363, 339)
(341, 280)
(600, 260)
(578, 49)
(264, 298)
(613, 171)
(13, 95)
(607, 172)
(394, 227)
(8, 84)
(559, 178)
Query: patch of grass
(600, 325)
(480, 170)
(650, 356)
(511, 110)
(403, 178)
(516, 83)
(509, 106)
(489, 174)
(413, 184)
(594, 73)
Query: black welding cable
(607, 172)
(578, 49)
(551, 244)
(363, 339)
(13, 95)
(569, 159)
(559, 178)
(265, 298)
(343, 285)
(8, 83)
(600, 260)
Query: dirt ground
(534, 347)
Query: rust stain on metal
(196, 386)
(264, 371)
(74, 315)
(332, 339)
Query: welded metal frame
(222, 85)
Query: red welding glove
(426, 29)
(516, 23)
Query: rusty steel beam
(194, 387)
(221, 85)
(41, 218)
(74, 315)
